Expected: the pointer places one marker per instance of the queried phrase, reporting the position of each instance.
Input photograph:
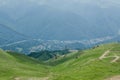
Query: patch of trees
(46, 55)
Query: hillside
(95, 64)
(15, 66)
(98, 63)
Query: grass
(15, 65)
(84, 65)
(88, 66)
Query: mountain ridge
(8, 35)
(73, 22)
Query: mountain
(55, 24)
(55, 20)
(52, 25)
(8, 35)
(98, 63)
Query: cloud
(39, 2)
(101, 3)
(3, 2)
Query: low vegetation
(46, 55)
(99, 63)
(15, 66)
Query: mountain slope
(95, 64)
(65, 25)
(98, 63)
(14, 66)
(7, 35)
(63, 20)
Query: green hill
(99, 63)
(95, 64)
(15, 66)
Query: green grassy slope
(63, 58)
(90, 66)
(15, 66)
(93, 64)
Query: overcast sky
(48, 2)
(19, 7)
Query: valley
(26, 46)
(37, 26)
(59, 40)
(100, 63)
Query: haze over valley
(88, 22)
(49, 39)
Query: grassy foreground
(99, 63)
(19, 67)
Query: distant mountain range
(12, 40)
(81, 23)
(50, 20)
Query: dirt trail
(114, 78)
(116, 59)
(104, 55)
(45, 78)
(17, 79)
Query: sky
(17, 8)
(48, 2)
